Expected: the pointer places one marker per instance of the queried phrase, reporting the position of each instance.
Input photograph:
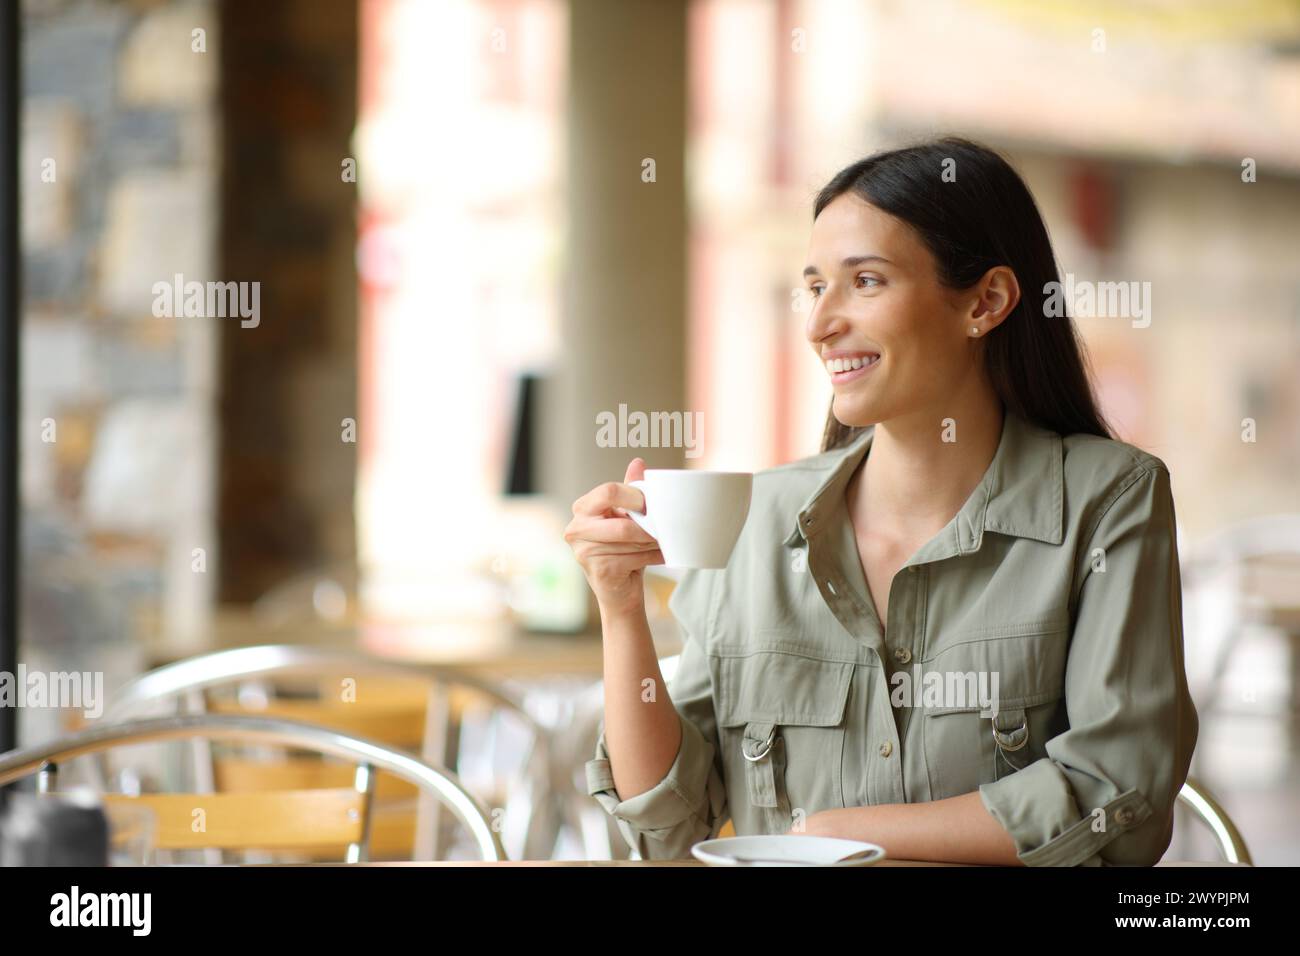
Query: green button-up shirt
(1033, 652)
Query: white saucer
(785, 850)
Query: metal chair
(1240, 554)
(532, 813)
(368, 755)
(1231, 845)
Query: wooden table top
(657, 863)
(643, 863)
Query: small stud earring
(974, 330)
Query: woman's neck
(918, 473)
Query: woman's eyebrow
(849, 263)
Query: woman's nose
(823, 321)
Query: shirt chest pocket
(1006, 725)
(781, 724)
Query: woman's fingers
(635, 470)
(606, 497)
(589, 550)
(621, 533)
(612, 548)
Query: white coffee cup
(696, 516)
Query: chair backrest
(283, 820)
(289, 819)
(398, 727)
(392, 710)
(1231, 845)
(367, 754)
(399, 721)
(1257, 558)
(266, 660)
(1268, 535)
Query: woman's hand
(613, 549)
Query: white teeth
(848, 365)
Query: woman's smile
(845, 366)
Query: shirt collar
(1021, 493)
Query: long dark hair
(983, 216)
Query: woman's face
(877, 303)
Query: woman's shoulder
(1100, 468)
(1094, 454)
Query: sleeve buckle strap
(599, 777)
(1081, 840)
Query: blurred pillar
(624, 323)
(287, 477)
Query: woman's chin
(854, 414)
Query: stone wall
(119, 171)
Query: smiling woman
(959, 221)
(969, 515)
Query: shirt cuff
(677, 812)
(1037, 807)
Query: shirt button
(902, 655)
(1124, 816)
(886, 749)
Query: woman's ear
(998, 293)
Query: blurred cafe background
(474, 226)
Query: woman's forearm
(643, 731)
(955, 830)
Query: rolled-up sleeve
(689, 803)
(1105, 794)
